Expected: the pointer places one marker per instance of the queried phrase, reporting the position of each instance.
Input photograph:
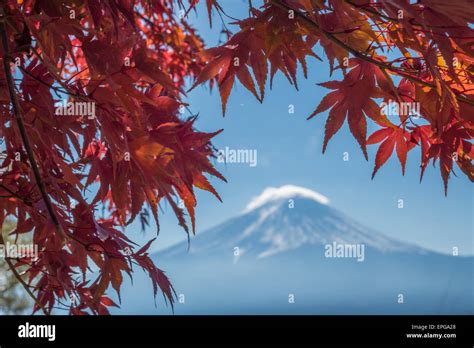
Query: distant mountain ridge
(273, 259)
(284, 219)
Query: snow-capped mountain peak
(280, 247)
(271, 194)
(270, 225)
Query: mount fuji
(291, 252)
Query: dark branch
(21, 126)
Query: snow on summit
(271, 194)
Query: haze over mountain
(291, 252)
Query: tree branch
(20, 124)
(371, 11)
(360, 55)
(13, 194)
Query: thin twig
(16, 195)
(358, 54)
(21, 126)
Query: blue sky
(290, 152)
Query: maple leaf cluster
(127, 61)
(125, 65)
(418, 56)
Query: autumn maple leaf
(352, 99)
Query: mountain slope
(282, 225)
(274, 258)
